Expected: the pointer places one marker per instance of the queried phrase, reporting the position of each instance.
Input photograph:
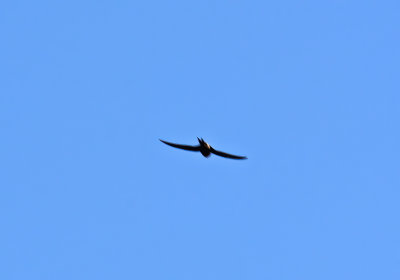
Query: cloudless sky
(307, 90)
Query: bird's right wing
(184, 147)
(222, 154)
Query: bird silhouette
(204, 148)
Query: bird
(204, 148)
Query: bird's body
(204, 148)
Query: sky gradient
(307, 90)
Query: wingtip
(241, 158)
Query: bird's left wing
(222, 154)
(184, 147)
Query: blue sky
(308, 90)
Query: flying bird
(204, 148)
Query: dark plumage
(204, 148)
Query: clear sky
(308, 90)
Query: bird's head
(203, 143)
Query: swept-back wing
(222, 154)
(184, 147)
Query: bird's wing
(184, 147)
(222, 154)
